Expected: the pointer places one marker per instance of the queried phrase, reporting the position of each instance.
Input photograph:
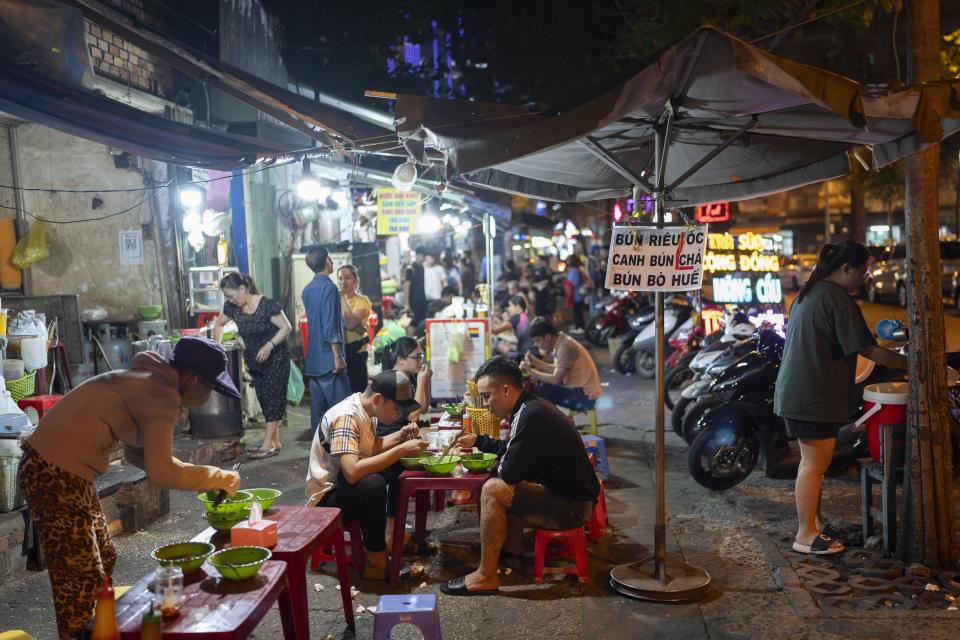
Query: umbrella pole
(659, 577)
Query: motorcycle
(614, 319)
(743, 430)
(623, 358)
(695, 398)
(676, 318)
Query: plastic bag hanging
(32, 247)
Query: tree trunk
(926, 529)
(858, 208)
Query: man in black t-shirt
(544, 477)
(413, 288)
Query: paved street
(729, 534)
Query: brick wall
(115, 58)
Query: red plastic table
(301, 530)
(418, 483)
(233, 609)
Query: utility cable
(805, 22)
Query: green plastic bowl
(231, 504)
(150, 311)
(225, 521)
(478, 461)
(239, 563)
(189, 556)
(440, 466)
(411, 464)
(455, 410)
(265, 496)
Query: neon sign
(713, 212)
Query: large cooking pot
(221, 416)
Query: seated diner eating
(544, 478)
(565, 372)
(348, 460)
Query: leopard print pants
(74, 537)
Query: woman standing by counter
(264, 329)
(356, 312)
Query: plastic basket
(22, 387)
(10, 496)
(485, 423)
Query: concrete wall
(85, 255)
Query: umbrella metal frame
(659, 577)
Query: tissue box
(261, 534)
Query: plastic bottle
(222, 251)
(467, 422)
(151, 626)
(105, 616)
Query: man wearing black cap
(71, 447)
(348, 460)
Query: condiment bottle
(105, 616)
(150, 627)
(467, 422)
(168, 590)
(222, 251)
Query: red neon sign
(713, 212)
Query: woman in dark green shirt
(815, 392)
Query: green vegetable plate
(454, 410)
(478, 461)
(189, 556)
(239, 563)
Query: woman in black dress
(264, 328)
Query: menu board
(455, 350)
(397, 212)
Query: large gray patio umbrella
(712, 119)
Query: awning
(78, 112)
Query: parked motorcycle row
(720, 387)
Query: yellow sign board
(397, 212)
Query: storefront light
(429, 223)
(191, 196)
(309, 188)
(405, 175)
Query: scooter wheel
(676, 414)
(645, 364)
(623, 360)
(674, 384)
(720, 459)
(692, 417)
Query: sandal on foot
(822, 545)
(259, 454)
(458, 587)
(837, 533)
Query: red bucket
(885, 403)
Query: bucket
(886, 403)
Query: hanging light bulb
(309, 188)
(429, 223)
(405, 175)
(191, 196)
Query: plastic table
(301, 530)
(419, 484)
(214, 608)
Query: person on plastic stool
(71, 447)
(570, 379)
(544, 478)
(349, 463)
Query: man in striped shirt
(348, 460)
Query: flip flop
(260, 454)
(822, 545)
(458, 587)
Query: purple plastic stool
(418, 609)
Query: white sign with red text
(656, 259)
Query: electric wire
(808, 21)
(136, 205)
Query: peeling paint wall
(85, 255)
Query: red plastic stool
(354, 551)
(597, 527)
(574, 545)
(40, 404)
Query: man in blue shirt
(326, 366)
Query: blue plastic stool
(418, 609)
(591, 413)
(599, 448)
